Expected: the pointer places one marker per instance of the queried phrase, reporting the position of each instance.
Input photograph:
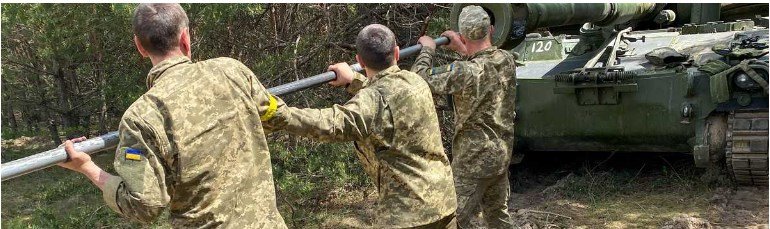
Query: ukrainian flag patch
(442, 69)
(132, 154)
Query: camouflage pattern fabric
(491, 194)
(394, 124)
(473, 22)
(484, 91)
(448, 222)
(194, 144)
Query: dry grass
(572, 191)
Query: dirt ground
(603, 190)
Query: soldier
(484, 89)
(193, 142)
(394, 125)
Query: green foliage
(11, 134)
(305, 175)
(75, 66)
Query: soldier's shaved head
(375, 44)
(157, 25)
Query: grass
(57, 198)
(306, 176)
(617, 200)
(324, 186)
(628, 191)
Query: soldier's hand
(427, 41)
(454, 41)
(76, 161)
(344, 74)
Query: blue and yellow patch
(442, 69)
(132, 154)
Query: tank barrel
(110, 140)
(541, 15)
(512, 21)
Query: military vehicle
(641, 77)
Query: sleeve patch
(442, 69)
(132, 154)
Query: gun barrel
(541, 15)
(513, 20)
(110, 140)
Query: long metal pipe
(322, 78)
(110, 140)
(49, 158)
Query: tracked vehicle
(641, 77)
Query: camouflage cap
(474, 22)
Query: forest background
(71, 70)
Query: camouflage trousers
(489, 195)
(448, 222)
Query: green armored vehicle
(643, 78)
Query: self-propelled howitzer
(642, 78)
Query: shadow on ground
(629, 190)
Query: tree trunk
(62, 96)
(53, 131)
(102, 80)
(8, 113)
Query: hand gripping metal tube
(325, 77)
(48, 158)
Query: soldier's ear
(396, 55)
(358, 59)
(184, 42)
(491, 31)
(139, 47)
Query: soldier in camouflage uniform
(394, 125)
(484, 90)
(194, 142)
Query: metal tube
(322, 78)
(49, 158)
(550, 14)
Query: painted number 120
(540, 47)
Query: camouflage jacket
(396, 132)
(194, 144)
(484, 92)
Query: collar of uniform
(385, 72)
(483, 52)
(161, 67)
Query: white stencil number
(541, 47)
